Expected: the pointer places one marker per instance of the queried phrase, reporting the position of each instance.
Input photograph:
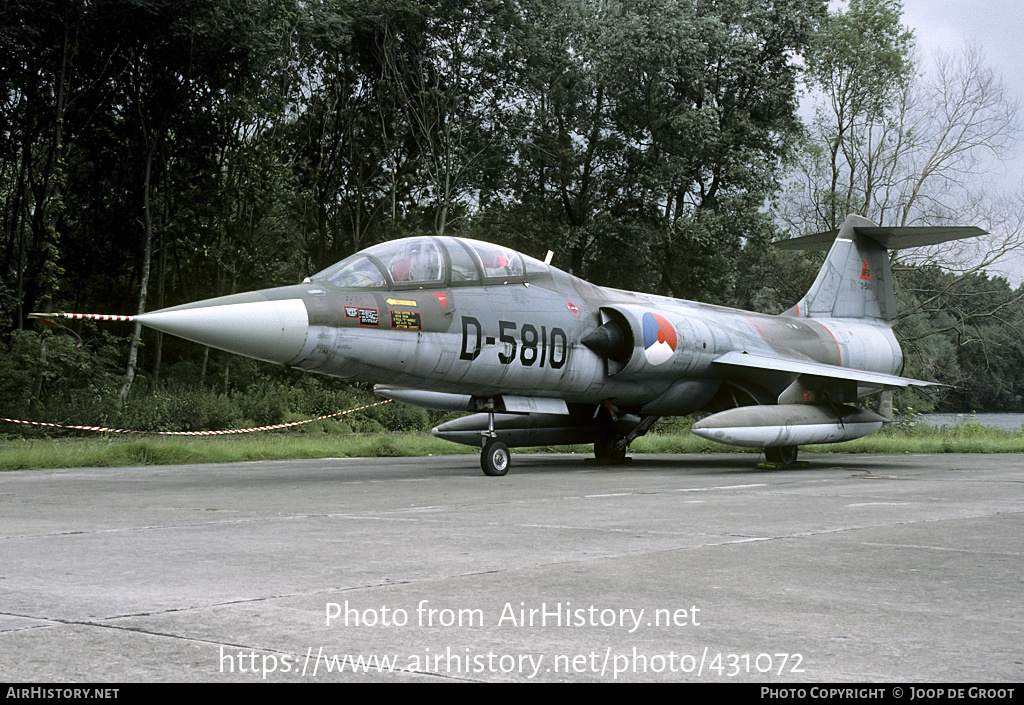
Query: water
(1007, 422)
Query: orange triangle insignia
(865, 272)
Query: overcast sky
(996, 27)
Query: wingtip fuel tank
(782, 425)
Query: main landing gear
(610, 450)
(624, 428)
(782, 455)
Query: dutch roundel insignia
(659, 339)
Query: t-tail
(856, 281)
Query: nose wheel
(495, 459)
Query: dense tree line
(159, 151)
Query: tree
(156, 83)
(907, 143)
(452, 92)
(562, 180)
(651, 132)
(969, 335)
(860, 63)
(705, 99)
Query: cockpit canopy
(432, 262)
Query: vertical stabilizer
(856, 281)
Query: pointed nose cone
(274, 331)
(609, 341)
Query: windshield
(356, 271)
(421, 262)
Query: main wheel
(782, 455)
(606, 450)
(495, 459)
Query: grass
(121, 452)
(30, 454)
(900, 437)
(970, 437)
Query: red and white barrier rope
(103, 429)
(50, 320)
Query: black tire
(782, 455)
(495, 459)
(606, 450)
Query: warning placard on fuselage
(366, 316)
(406, 320)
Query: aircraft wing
(819, 369)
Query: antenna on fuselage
(548, 256)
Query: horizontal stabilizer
(889, 238)
(819, 369)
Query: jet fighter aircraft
(545, 358)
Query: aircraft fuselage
(526, 336)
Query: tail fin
(856, 281)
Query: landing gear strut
(611, 447)
(495, 459)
